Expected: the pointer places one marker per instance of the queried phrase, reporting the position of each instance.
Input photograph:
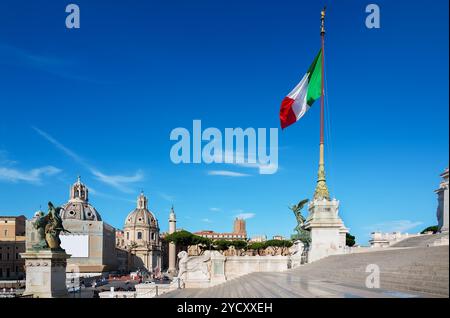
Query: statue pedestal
(327, 229)
(217, 268)
(45, 273)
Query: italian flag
(301, 98)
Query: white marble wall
(236, 266)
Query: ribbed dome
(78, 210)
(78, 207)
(141, 216)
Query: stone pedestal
(217, 268)
(442, 210)
(45, 273)
(327, 229)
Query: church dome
(78, 207)
(141, 216)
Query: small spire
(79, 179)
(322, 19)
(172, 214)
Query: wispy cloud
(206, 220)
(31, 176)
(117, 181)
(166, 196)
(61, 67)
(120, 182)
(61, 147)
(108, 196)
(215, 209)
(4, 160)
(245, 216)
(394, 226)
(241, 159)
(227, 173)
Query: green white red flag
(301, 98)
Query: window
(153, 236)
(128, 235)
(6, 232)
(17, 255)
(7, 257)
(7, 272)
(139, 235)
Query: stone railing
(214, 268)
(146, 290)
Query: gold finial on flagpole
(322, 19)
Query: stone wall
(214, 268)
(236, 266)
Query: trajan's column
(172, 248)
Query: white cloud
(245, 216)
(64, 68)
(30, 176)
(241, 160)
(108, 196)
(4, 160)
(61, 147)
(117, 181)
(214, 209)
(120, 182)
(206, 220)
(227, 173)
(394, 226)
(166, 196)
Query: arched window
(139, 235)
(153, 236)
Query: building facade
(141, 238)
(12, 243)
(239, 232)
(91, 241)
(258, 239)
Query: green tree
(276, 245)
(181, 238)
(202, 243)
(349, 239)
(222, 245)
(184, 239)
(257, 246)
(433, 228)
(239, 245)
(285, 245)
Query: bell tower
(142, 201)
(79, 191)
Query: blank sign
(75, 245)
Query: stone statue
(182, 265)
(302, 234)
(49, 227)
(194, 271)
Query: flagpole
(321, 191)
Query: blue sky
(101, 101)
